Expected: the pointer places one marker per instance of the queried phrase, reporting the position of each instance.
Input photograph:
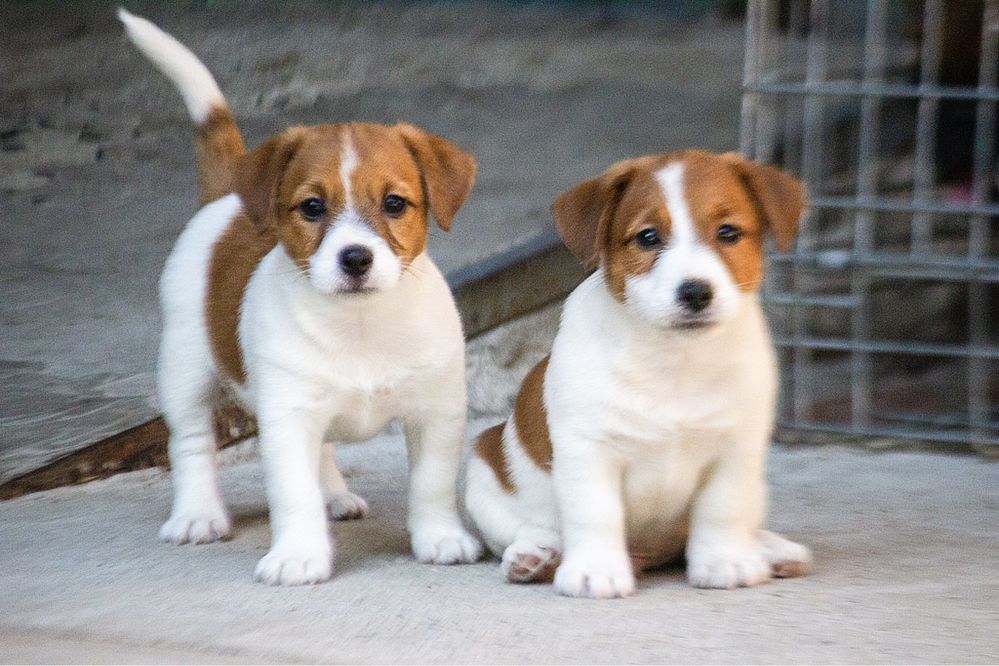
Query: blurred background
(883, 314)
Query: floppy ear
(258, 175)
(448, 172)
(583, 212)
(779, 197)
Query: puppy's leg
(786, 558)
(491, 509)
(301, 545)
(722, 549)
(434, 441)
(529, 552)
(595, 561)
(185, 388)
(341, 504)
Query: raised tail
(217, 137)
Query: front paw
(595, 575)
(202, 525)
(298, 564)
(530, 560)
(445, 545)
(727, 567)
(346, 506)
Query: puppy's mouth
(693, 324)
(355, 288)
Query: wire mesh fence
(883, 315)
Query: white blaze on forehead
(670, 179)
(348, 162)
(654, 294)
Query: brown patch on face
(260, 173)
(302, 163)
(311, 170)
(779, 198)
(641, 207)
(489, 447)
(430, 174)
(582, 213)
(448, 172)
(234, 258)
(531, 417)
(600, 219)
(715, 197)
(385, 167)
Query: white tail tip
(196, 85)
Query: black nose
(695, 295)
(355, 260)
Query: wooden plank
(137, 448)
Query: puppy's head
(680, 236)
(350, 203)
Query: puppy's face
(680, 236)
(350, 203)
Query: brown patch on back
(489, 448)
(531, 418)
(234, 258)
(218, 144)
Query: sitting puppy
(644, 435)
(303, 289)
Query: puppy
(643, 436)
(302, 287)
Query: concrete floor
(905, 547)
(96, 162)
(906, 572)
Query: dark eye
(393, 205)
(312, 209)
(648, 238)
(728, 234)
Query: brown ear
(779, 197)
(258, 175)
(448, 172)
(583, 212)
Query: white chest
(357, 362)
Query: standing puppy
(302, 288)
(644, 435)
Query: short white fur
(320, 365)
(196, 84)
(657, 433)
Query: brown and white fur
(643, 436)
(303, 288)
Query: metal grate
(887, 111)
